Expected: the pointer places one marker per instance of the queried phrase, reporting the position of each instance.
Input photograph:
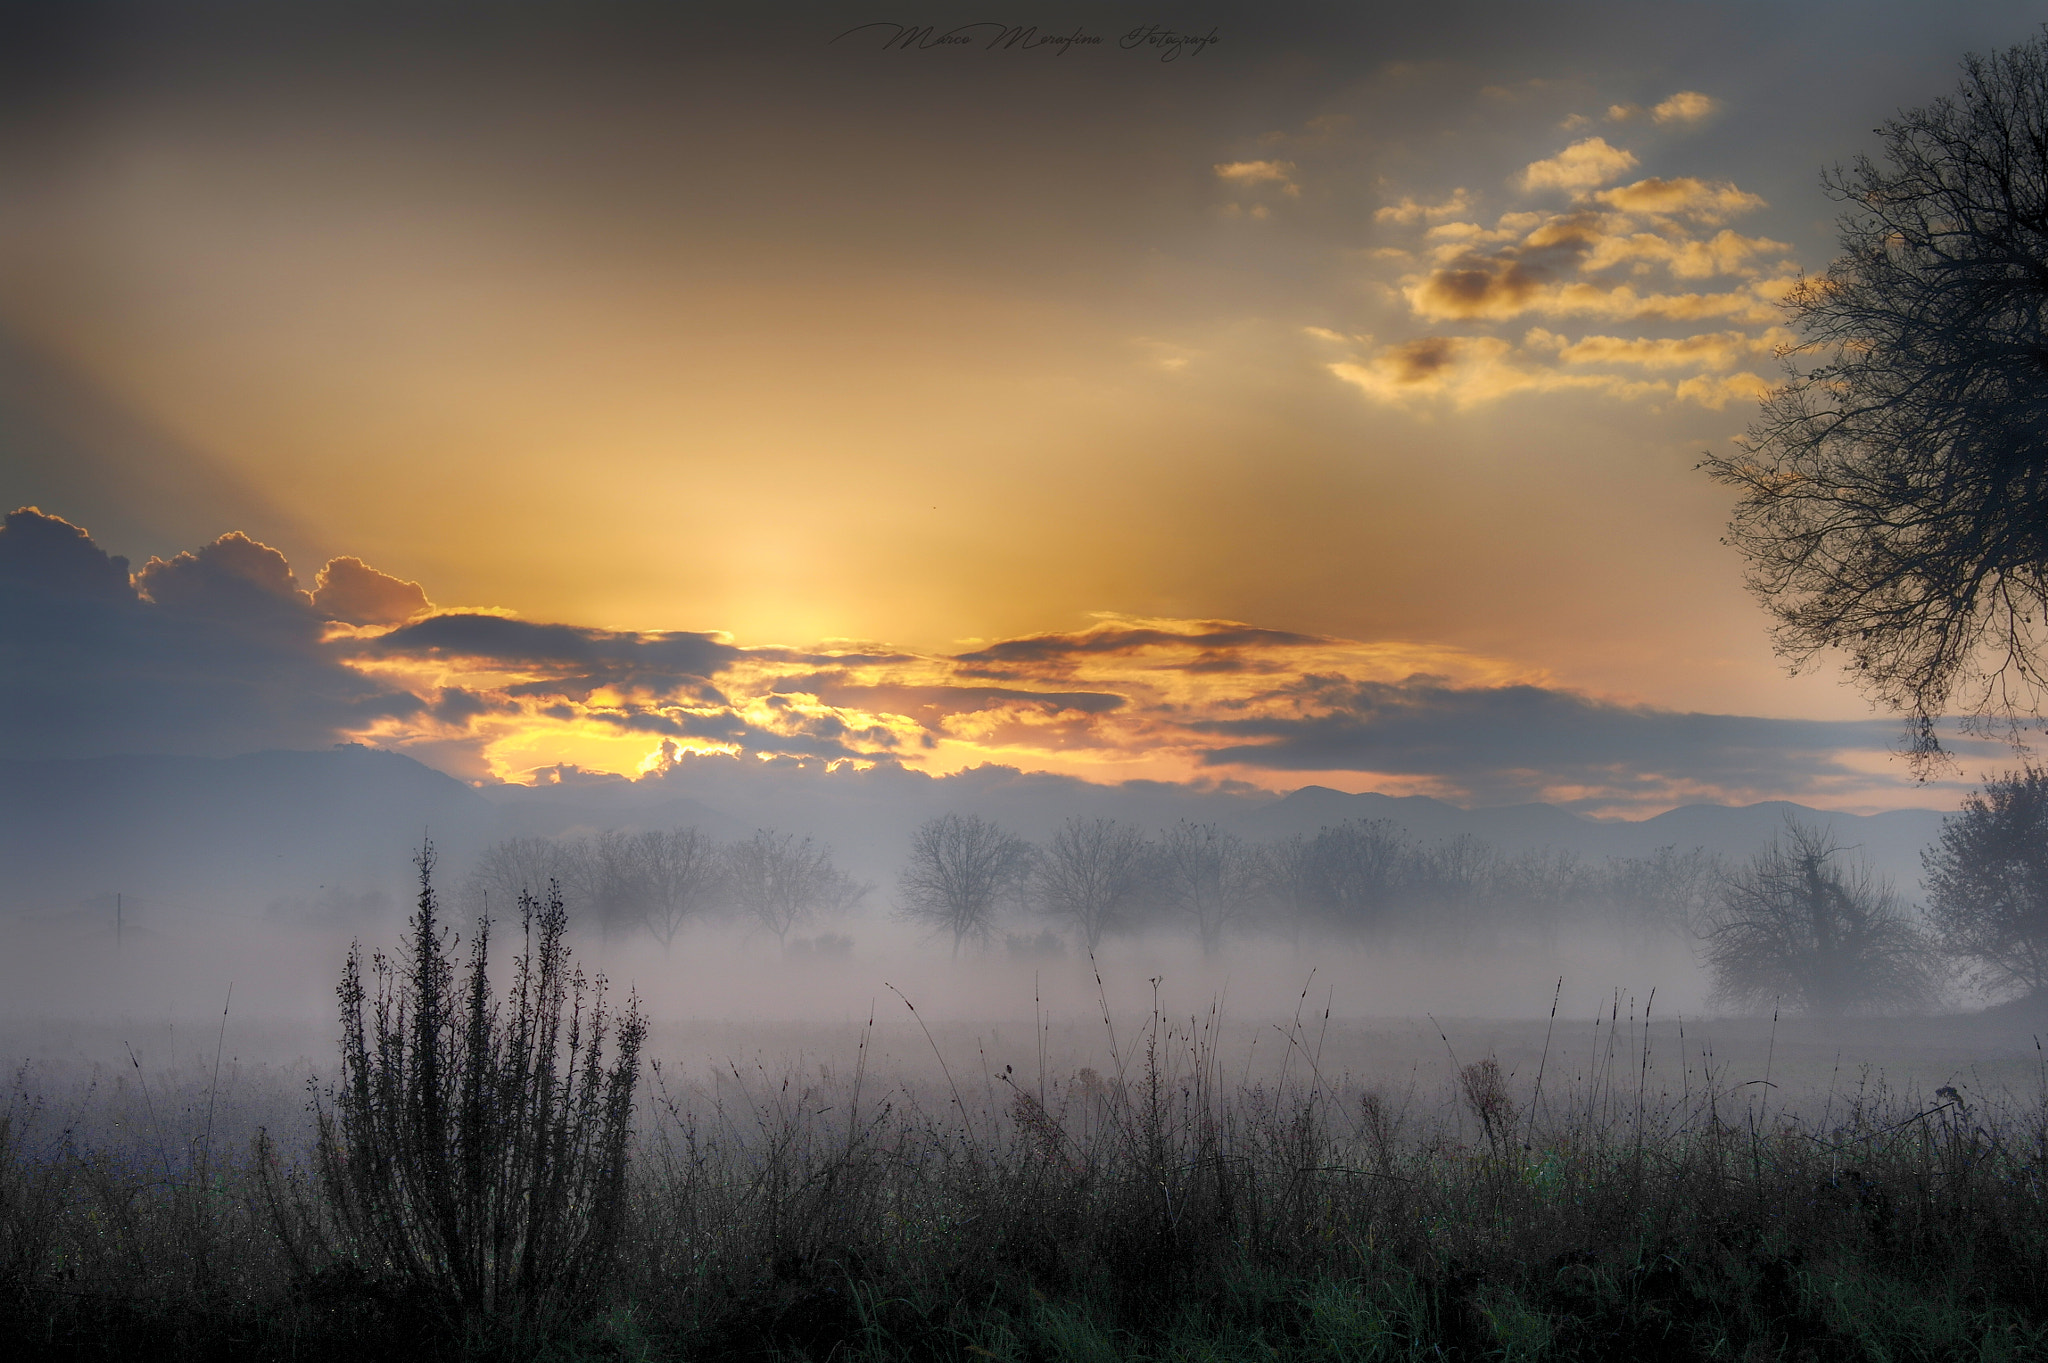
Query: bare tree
(1987, 883)
(1092, 876)
(782, 882)
(1450, 882)
(1209, 879)
(1358, 868)
(685, 872)
(611, 876)
(1894, 493)
(1345, 875)
(1666, 890)
(962, 869)
(519, 866)
(1796, 926)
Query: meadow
(1149, 1182)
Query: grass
(1155, 1207)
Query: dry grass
(1162, 1203)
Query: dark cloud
(233, 576)
(50, 554)
(219, 654)
(1041, 648)
(1511, 741)
(575, 661)
(351, 590)
(1474, 288)
(945, 700)
(826, 737)
(457, 706)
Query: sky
(1260, 395)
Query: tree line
(659, 881)
(966, 877)
(1801, 924)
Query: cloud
(1541, 262)
(220, 653)
(1705, 350)
(224, 653)
(1409, 211)
(1469, 370)
(1642, 253)
(50, 554)
(1249, 174)
(1687, 106)
(232, 576)
(350, 590)
(559, 660)
(1718, 391)
(1209, 638)
(1708, 201)
(1580, 166)
(1508, 743)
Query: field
(1145, 1183)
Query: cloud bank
(220, 650)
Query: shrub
(475, 1150)
(1795, 925)
(1987, 884)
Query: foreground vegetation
(1153, 1210)
(473, 1188)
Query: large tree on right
(1987, 884)
(1894, 493)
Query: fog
(159, 910)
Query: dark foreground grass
(1153, 1211)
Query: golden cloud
(1584, 164)
(1725, 253)
(1563, 265)
(1253, 173)
(1469, 370)
(1718, 391)
(1687, 106)
(1708, 201)
(1409, 211)
(1707, 350)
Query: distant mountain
(1890, 842)
(309, 833)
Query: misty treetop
(1987, 884)
(971, 881)
(1803, 927)
(659, 881)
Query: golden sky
(1384, 343)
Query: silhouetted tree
(611, 876)
(1987, 883)
(962, 869)
(1092, 876)
(684, 874)
(1895, 491)
(1796, 926)
(1668, 889)
(782, 882)
(1450, 882)
(1208, 879)
(518, 866)
(1355, 870)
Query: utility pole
(117, 920)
